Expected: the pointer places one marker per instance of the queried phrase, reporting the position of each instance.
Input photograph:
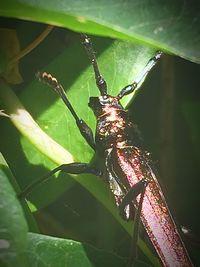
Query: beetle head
(104, 104)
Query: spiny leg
(84, 129)
(134, 85)
(131, 196)
(133, 254)
(71, 168)
(128, 199)
(100, 82)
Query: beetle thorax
(111, 127)
(112, 121)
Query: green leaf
(49, 251)
(13, 226)
(170, 25)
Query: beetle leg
(133, 253)
(71, 168)
(131, 196)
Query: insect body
(126, 167)
(129, 171)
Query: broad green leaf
(13, 226)
(50, 251)
(170, 25)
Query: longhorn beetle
(126, 167)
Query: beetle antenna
(53, 82)
(100, 82)
(85, 130)
(134, 85)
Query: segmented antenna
(85, 130)
(100, 81)
(48, 79)
(135, 84)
